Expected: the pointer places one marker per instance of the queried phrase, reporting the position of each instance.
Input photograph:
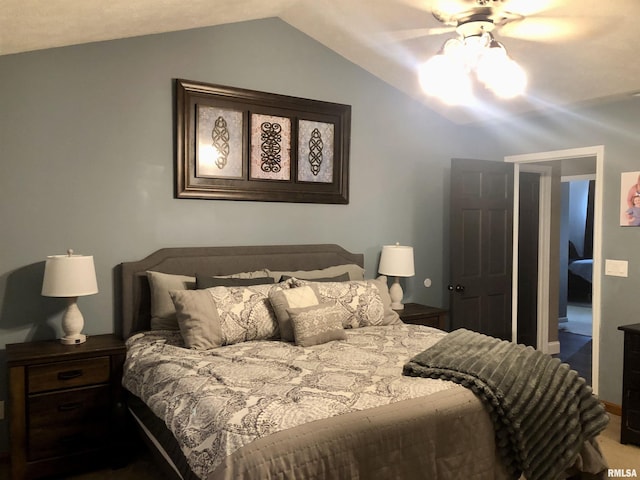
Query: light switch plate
(616, 268)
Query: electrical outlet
(1, 409)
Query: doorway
(576, 238)
(577, 156)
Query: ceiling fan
(476, 56)
(475, 59)
(520, 19)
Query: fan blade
(527, 8)
(448, 11)
(411, 34)
(551, 29)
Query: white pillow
(281, 300)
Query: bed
(336, 406)
(580, 276)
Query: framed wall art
(237, 144)
(630, 199)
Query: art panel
(315, 151)
(270, 147)
(219, 143)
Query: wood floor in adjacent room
(575, 339)
(142, 467)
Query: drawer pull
(71, 439)
(69, 374)
(67, 407)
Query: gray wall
(87, 163)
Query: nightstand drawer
(72, 373)
(632, 359)
(632, 404)
(633, 420)
(632, 380)
(71, 420)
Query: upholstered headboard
(134, 286)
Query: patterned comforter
(216, 401)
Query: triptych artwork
(245, 145)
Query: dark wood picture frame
(216, 126)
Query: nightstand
(630, 421)
(65, 405)
(424, 315)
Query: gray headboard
(134, 287)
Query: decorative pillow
(391, 317)
(318, 323)
(338, 278)
(244, 313)
(281, 300)
(198, 318)
(203, 281)
(363, 300)
(355, 272)
(254, 274)
(163, 312)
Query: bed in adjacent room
(284, 362)
(580, 276)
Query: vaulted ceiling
(574, 51)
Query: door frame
(544, 255)
(519, 161)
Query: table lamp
(70, 276)
(396, 261)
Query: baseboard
(563, 319)
(553, 348)
(612, 408)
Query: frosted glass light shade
(396, 261)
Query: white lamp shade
(396, 261)
(69, 276)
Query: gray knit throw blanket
(542, 410)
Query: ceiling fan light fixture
(507, 79)
(461, 58)
(445, 77)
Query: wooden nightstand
(630, 421)
(424, 315)
(65, 405)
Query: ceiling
(586, 55)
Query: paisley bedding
(217, 401)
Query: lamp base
(72, 323)
(395, 292)
(73, 339)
